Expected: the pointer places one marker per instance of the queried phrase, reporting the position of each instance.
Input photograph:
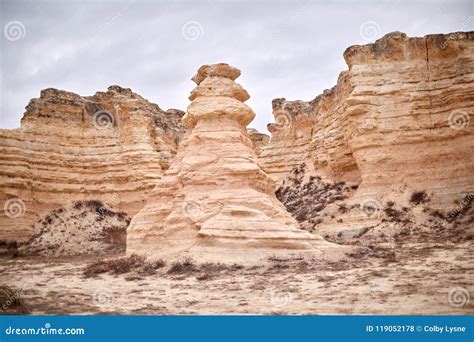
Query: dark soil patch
(419, 197)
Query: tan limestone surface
(399, 120)
(214, 201)
(258, 139)
(110, 147)
(374, 162)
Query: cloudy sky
(290, 49)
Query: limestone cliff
(111, 147)
(396, 124)
(399, 120)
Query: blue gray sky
(290, 49)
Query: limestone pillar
(215, 203)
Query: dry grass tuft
(419, 197)
(183, 267)
(123, 265)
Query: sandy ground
(410, 279)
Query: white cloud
(289, 49)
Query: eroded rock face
(214, 202)
(258, 139)
(398, 121)
(290, 140)
(83, 227)
(219, 70)
(111, 147)
(406, 216)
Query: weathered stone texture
(214, 201)
(111, 147)
(400, 116)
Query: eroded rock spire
(215, 201)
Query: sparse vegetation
(183, 267)
(343, 209)
(84, 227)
(306, 200)
(123, 265)
(388, 254)
(462, 209)
(395, 215)
(151, 267)
(137, 266)
(9, 248)
(419, 197)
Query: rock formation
(291, 137)
(111, 147)
(398, 121)
(258, 139)
(214, 202)
(82, 227)
(396, 128)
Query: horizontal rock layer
(214, 200)
(400, 117)
(111, 147)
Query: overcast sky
(290, 49)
